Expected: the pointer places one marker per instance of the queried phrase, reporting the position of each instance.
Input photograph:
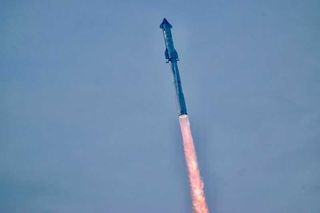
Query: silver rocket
(172, 57)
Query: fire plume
(196, 184)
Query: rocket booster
(172, 56)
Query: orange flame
(196, 184)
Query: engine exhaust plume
(196, 184)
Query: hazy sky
(88, 119)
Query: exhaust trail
(196, 184)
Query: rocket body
(172, 56)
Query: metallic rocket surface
(172, 57)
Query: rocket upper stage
(172, 57)
(170, 53)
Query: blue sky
(89, 119)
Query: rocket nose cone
(165, 24)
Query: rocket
(196, 184)
(172, 56)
